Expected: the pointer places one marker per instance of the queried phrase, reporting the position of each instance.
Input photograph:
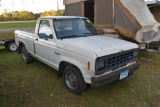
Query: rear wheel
(12, 47)
(73, 80)
(26, 56)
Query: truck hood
(95, 46)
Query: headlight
(101, 65)
(135, 53)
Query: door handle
(57, 53)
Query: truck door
(44, 42)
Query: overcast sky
(35, 6)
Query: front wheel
(26, 56)
(73, 80)
(12, 47)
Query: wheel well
(62, 66)
(21, 44)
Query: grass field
(37, 85)
(17, 24)
(6, 35)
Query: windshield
(74, 27)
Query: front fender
(82, 65)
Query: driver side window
(45, 31)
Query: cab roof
(72, 1)
(59, 17)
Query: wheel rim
(13, 47)
(24, 55)
(71, 80)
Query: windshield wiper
(68, 36)
(72, 36)
(90, 34)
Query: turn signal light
(89, 65)
(134, 60)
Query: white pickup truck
(73, 47)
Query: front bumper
(108, 78)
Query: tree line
(25, 15)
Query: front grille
(115, 61)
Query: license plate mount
(124, 74)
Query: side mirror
(50, 36)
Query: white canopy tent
(131, 18)
(152, 1)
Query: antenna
(58, 8)
(13, 4)
(0, 3)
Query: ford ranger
(73, 47)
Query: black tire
(26, 56)
(11, 47)
(73, 80)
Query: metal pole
(113, 14)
